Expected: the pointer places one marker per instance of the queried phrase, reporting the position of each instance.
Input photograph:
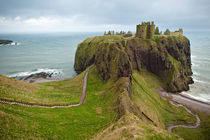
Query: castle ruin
(145, 30)
(177, 33)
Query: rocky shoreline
(40, 77)
(5, 42)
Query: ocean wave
(201, 97)
(45, 71)
(195, 64)
(195, 73)
(199, 81)
(193, 57)
(14, 44)
(201, 60)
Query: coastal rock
(5, 42)
(33, 77)
(112, 61)
(43, 75)
(168, 57)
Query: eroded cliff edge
(168, 57)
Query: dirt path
(186, 102)
(82, 99)
(181, 125)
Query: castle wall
(146, 30)
(141, 31)
(150, 31)
(177, 33)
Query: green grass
(159, 136)
(166, 113)
(59, 92)
(99, 112)
(201, 133)
(99, 39)
(142, 104)
(160, 111)
(68, 123)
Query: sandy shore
(187, 101)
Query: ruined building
(177, 33)
(145, 30)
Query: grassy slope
(162, 112)
(59, 92)
(97, 113)
(178, 115)
(68, 123)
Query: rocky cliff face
(114, 56)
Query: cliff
(136, 68)
(168, 57)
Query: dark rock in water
(168, 57)
(5, 42)
(39, 75)
(34, 77)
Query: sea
(34, 53)
(54, 53)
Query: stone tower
(141, 31)
(145, 30)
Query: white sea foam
(195, 73)
(201, 97)
(14, 44)
(199, 81)
(195, 64)
(28, 73)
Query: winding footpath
(186, 102)
(82, 99)
(170, 127)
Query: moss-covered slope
(114, 56)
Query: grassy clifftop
(60, 92)
(82, 122)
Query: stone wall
(151, 31)
(177, 33)
(141, 31)
(146, 30)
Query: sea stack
(115, 56)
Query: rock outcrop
(5, 42)
(114, 56)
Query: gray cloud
(189, 14)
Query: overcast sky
(99, 15)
